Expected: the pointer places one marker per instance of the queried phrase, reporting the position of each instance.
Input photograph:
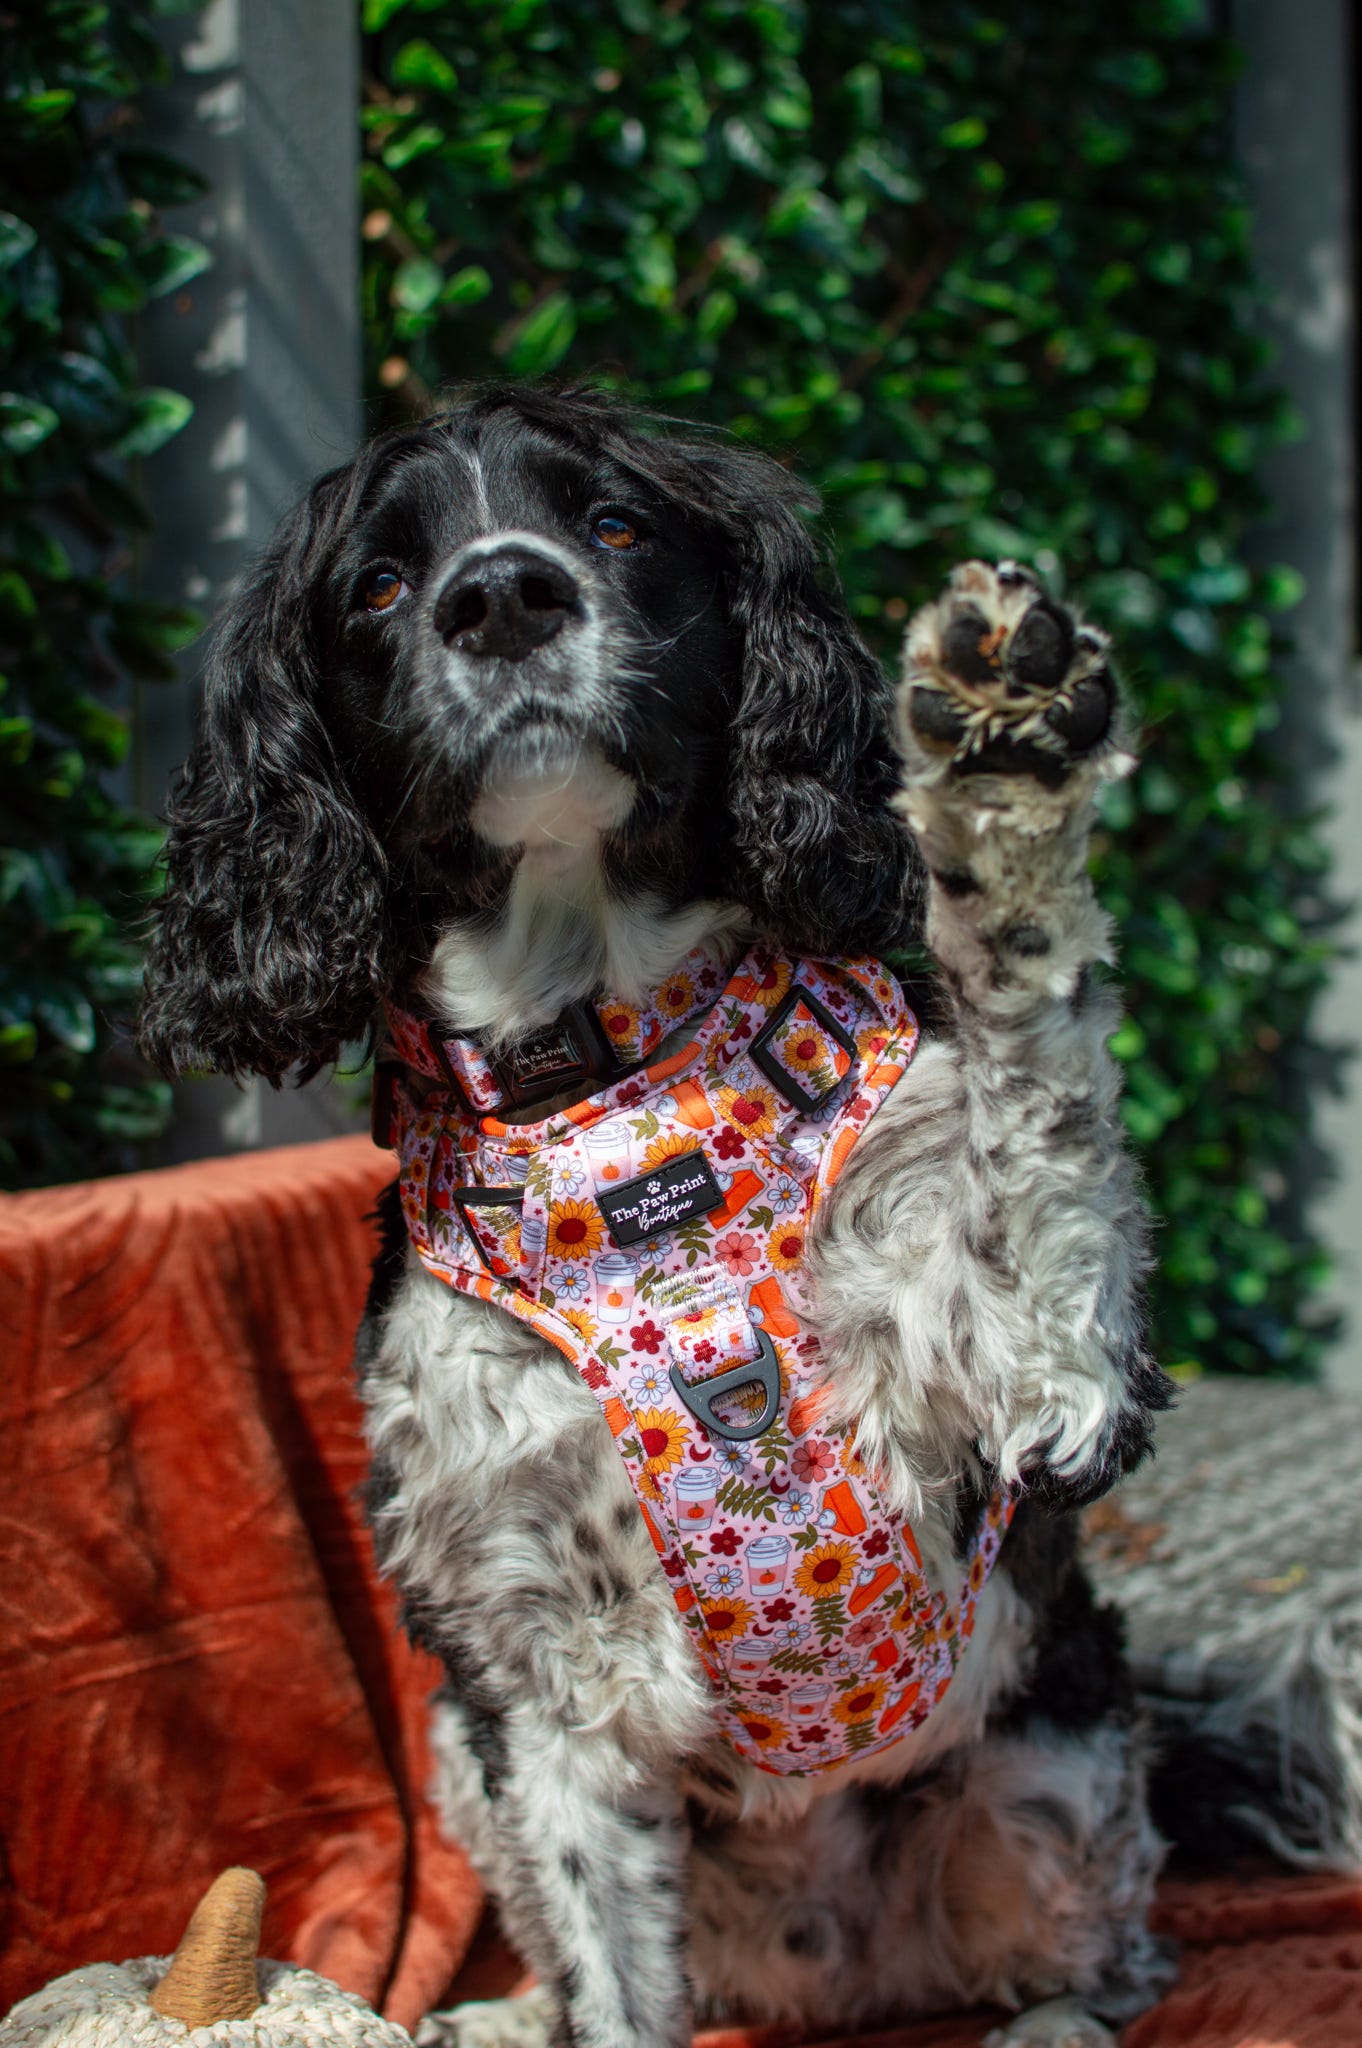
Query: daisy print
(732, 1458)
(652, 1384)
(574, 1283)
(725, 1578)
(789, 1634)
(569, 1177)
(784, 1194)
(797, 1508)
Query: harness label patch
(653, 1202)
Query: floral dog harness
(655, 1233)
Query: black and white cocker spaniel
(522, 706)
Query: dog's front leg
(1009, 1244)
(589, 1870)
(586, 1857)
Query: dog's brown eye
(613, 531)
(381, 589)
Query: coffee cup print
(751, 1660)
(534, 1232)
(768, 1560)
(809, 1702)
(696, 1493)
(615, 1275)
(607, 1151)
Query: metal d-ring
(763, 1371)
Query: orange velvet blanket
(200, 1667)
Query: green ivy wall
(82, 249)
(982, 275)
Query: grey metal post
(267, 344)
(1295, 143)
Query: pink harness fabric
(655, 1233)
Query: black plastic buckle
(466, 1198)
(762, 1371)
(573, 1048)
(771, 1067)
(382, 1102)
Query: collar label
(653, 1202)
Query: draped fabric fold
(198, 1665)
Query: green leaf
(419, 64)
(544, 337)
(466, 287)
(16, 239)
(157, 416)
(170, 262)
(24, 423)
(45, 109)
(155, 175)
(18, 1043)
(417, 284)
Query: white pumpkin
(212, 1993)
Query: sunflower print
(663, 1438)
(861, 1703)
(586, 1326)
(767, 1734)
(826, 1569)
(769, 984)
(785, 1247)
(676, 997)
(674, 1145)
(751, 1111)
(727, 1617)
(621, 1020)
(576, 1230)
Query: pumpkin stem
(212, 1973)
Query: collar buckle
(573, 1048)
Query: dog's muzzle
(506, 602)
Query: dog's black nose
(507, 603)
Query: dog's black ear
(823, 862)
(267, 943)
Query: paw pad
(1003, 678)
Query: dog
(531, 701)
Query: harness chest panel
(655, 1233)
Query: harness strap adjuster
(462, 1199)
(762, 1371)
(763, 1055)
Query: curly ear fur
(265, 953)
(822, 862)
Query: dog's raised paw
(1059, 2023)
(523, 2022)
(999, 678)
